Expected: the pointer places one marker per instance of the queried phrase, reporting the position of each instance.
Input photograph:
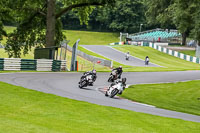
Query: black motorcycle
(86, 81)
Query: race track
(65, 85)
(116, 55)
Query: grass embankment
(86, 37)
(91, 38)
(180, 96)
(3, 54)
(169, 63)
(188, 52)
(85, 65)
(23, 110)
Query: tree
(125, 16)
(157, 13)
(182, 14)
(5, 15)
(39, 22)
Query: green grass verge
(3, 54)
(23, 110)
(188, 52)
(169, 63)
(180, 96)
(91, 38)
(86, 37)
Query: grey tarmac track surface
(66, 85)
(116, 55)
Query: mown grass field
(180, 96)
(169, 63)
(23, 110)
(86, 37)
(188, 52)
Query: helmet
(120, 67)
(123, 80)
(94, 71)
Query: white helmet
(94, 71)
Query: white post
(120, 37)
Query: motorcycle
(127, 57)
(113, 76)
(117, 88)
(86, 81)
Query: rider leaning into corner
(119, 71)
(93, 73)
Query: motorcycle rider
(93, 73)
(119, 71)
(127, 56)
(123, 81)
(146, 60)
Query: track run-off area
(66, 85)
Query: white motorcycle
(116, 88)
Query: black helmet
(123, 80)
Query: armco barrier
(175, 53)
(103, 62)
(30, 64)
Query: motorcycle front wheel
(110, 78)
(114, 92)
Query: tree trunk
(50, 32)
(184, 36)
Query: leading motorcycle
(86, 81)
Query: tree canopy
(182, 14)
(39, 22)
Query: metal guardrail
(103, 62)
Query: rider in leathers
(93, 73)
(119, 71)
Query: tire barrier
(1, 64)
(18, 64)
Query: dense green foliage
(125, 16)
(31, 19)
(38, 22)
(180, 96)
(182, 14)
(23, 110)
